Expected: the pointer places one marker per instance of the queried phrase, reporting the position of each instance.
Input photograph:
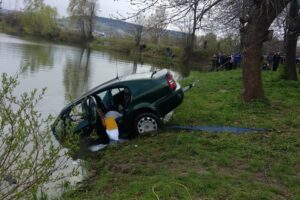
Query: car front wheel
(145, 123)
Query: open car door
(89, 112)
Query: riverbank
(149, 50)
(61, 37)
(125, 45)
(196, 165)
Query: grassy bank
(196, 165)
(127, 45)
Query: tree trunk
(138, 35)
(193, 39)
(138, 38)
(193, 35)
(290, 70)
(82, 28)
(91, 29)
(158, 42)
(254, 33)
(251, 62)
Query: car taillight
(171, 82)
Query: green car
(138, 102)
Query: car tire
(145, 123)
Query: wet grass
(197, 165)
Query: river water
(66, 71)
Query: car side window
(115, 98)
(102, 94)
(116, 91)
(107, 99)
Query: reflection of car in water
(137, 102)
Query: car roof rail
(153, 73)
(159, 73)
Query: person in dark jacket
(223, 60)
(236, 60)
(276, 60)
(270, 60)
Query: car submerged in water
(139, 102)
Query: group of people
(272, 61)
(222, 61)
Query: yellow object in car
(110, 123)
(111, 128)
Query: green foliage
(40, 21)
(10, 23)
(227, 45)
(67, 138)
(28, 157)
(211, 42)
(198, 165)
(116, 44)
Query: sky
(108, 8)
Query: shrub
(28, 156)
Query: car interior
(116, 99)
(93, 109)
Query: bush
(41, 21)
(28, 157)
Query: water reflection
(36, 57)
(76, 74)
(138, 61)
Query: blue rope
(218, 129)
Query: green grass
(197, 165)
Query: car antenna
(117, 70)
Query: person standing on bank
(270, 60)
(276, 60)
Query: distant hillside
(106, 25)
(5, 11)
(115, 27)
